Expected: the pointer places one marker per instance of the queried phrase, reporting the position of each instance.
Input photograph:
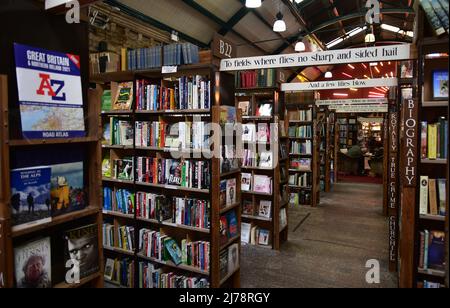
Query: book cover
(441, 13)
(262, 184)
(246, 182)
(433, 197)
(283, 218)
(265, 209)
(249, 132)
(440, 84)
(263, 132)
(436, 250)
(106, 137)
(49, 93)
(424, 195)
(174, 251)
(442, 187)
(245, 107)
(432, 17)
(223, 230)
(245, 233)
(406, 69)
(67, 188)
(424, 140)
(123, 169)
(223, 264)
(107, 100)
(231, 192)
(264, 110)
(223, 194)
(124, 96)
(30, 197)
(266, 159)
(106, 167)
(264, 237)
(109, 269)
(175, 173)
(233, 258)
(82, 249)
(32, 263)
(232, 224)
(248, 208)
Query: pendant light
(279, 25)
(300, 46)
(253, 4)
(328, 75)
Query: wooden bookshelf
(298, 105)
(10, 145)
(270, 96)
(222, 87)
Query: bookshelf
(10, 238)
(325, 122)
(301, 110)
(258, 145)
(204, 159)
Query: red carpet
(360, 179)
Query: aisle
(331, 247)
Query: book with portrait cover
(30, 197)
(32, 262)
(233, 258)
(231, 192)
(81, 248)
(67, 188)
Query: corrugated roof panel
(224, 9)
(254, 30)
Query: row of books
(434, 140)
(35, 256)
(143, 58)
(181, 135)
(254, 235)
(188, 92)
(304, 164)
(182, 211)
(301, 115)
(256, 183)
(300, 198)
(304, 148)
(304, 131)
(151, 277)
(433, 196)
(124, 239)
(228, 227)
(229, 261)
(120, 272)
(251, 134)
(432, 250)
(429, 285)
(256, 79)
(263, 210)
(118, 200)
(161, 247)
(118, 132)
(301, 180)
(437, 14)
(263, 159)
(183, 173)
(181, 54)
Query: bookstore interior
(236, 144)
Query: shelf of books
(325, 130)
(303, 176)
(170, 182)
(50, 209)
(432, 224)
(265, 166)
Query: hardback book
(442, 187)
(433, 197)
(106, 100)
(124, 97)
(106, 167)
(106, 138)
(232, 224)
(263, 132)
(233, 258)
(223, 230)
(424, 195)
(283, 218)
(223, 194)
(33, 265)
(82, 249)
(264, 110)
(249, 133)
(432, 17)
(174, 250)
(246, 182)
(282, 127)
(263, 237)
(436, 251)
(245, 233)
(248, 208)
(231, 192)
(223, 264)
(262, 184)
(424, 140)
(30, 197)
(175, 173)
(124, 169)
(68, 192)
(265, 209)
(245, 107)
(109, 269)
(229, 160)
(266, 159)
(407, 69)
(441, 13)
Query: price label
(169, 69)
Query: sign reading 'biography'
(50, 93)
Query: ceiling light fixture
(300, 46)
(253, 4)
(279, 25)
(328, 75)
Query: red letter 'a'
(45, 84)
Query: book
(248, 208)
(432, 17)
(174, 251)
(106, 167)
(424, 140)
(223, 194)
(441, 13)
(107, 100)
(245, 107)
(82, 249)
(266, 159)
(262, 184)
(232, 224)
(433, 197)
(263, 237)
(442, 187)
(440, 85)
(246, 182)
(124, 96)
(109, 269)
(67, 188)
(406, 69)
(249, 132)
(424, 195)
(223, 264)
(283, 218)
(30, 197)
(265, 209)
(233, 258)
(124, 169)
(263, 132)
(436, 251)
(106, 137)
(223, 230)
(32, 265)
(264, 110)
(231, 192)
(245, 233)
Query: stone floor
(330, 249)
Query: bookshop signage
(393, 241)
(223, 48)
(410, 151)
(50, 93)
(393, 129)
(340, 84)
(360, 109)
(321, 58)
(343, 102)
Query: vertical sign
(410, 151)
(393, 185)
(223, 48)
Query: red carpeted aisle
(360, 179)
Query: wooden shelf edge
(171, 264)
(30, 142)
(432, 217)
(119, 250)
(111, 180)
(434, 161)
(431, 104)
(230, 242)
(256, 218)
(64, 285)
(117, 214)
(92, 210)
(431, 272)
(169, 187)
(173, 225)
(229, 208)
(229, 275)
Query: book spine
(424, 195)
(432, 17)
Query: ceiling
(319, 22)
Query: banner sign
(360, 109)
(339, 84)
(320, 58)
(363, 101)
(410, 153)
(50, 93)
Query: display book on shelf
(175, 231)
(265, 164)
(46, 209)
(303, 149)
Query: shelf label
(339, 84)
(393, 241)
(410, 151)
(169, 69)
(362, 101)
(223, 48)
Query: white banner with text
(339, 84)
(344, 102)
